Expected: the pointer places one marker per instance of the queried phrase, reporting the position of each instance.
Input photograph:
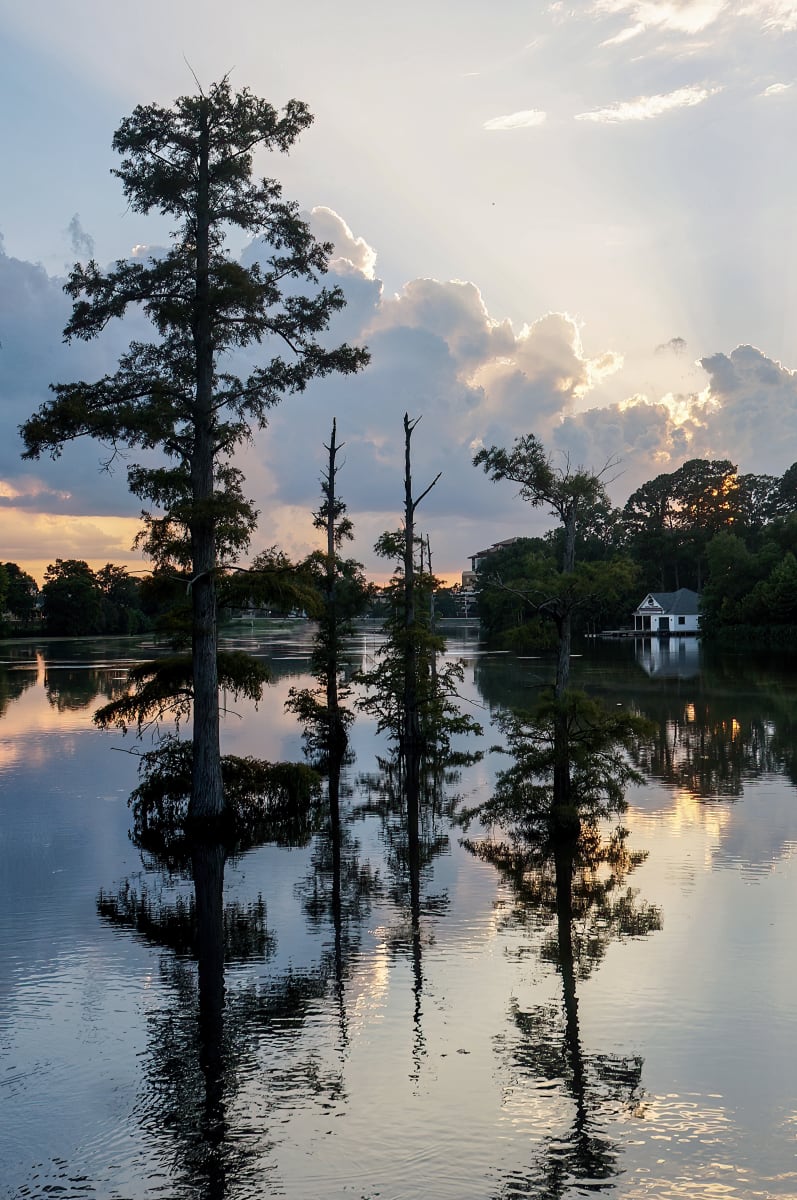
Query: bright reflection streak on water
(387, 1057)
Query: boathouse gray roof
(684, 602)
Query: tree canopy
(178, 393)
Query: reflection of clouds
(754, 835)
(33, 754)
(368, 985)
(692, 1123)
(696, 824)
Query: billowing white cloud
(527, 118)
(452, 311)
(436, 352)
(645, 108)
(351, 253)
(747, 413)
(776, 89)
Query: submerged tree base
(264, 802)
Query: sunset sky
(576, 220)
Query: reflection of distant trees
(12, 685)
(75, 688)
(711, 741)
(714, 732)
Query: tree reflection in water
(577, 894)
(204, 1071)
(12, 685)
(414, 801)
(339, 891)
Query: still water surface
(375, 1041)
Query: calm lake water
(378, 1040)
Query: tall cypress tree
(178, 393)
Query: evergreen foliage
(178, 394)
(411, 694)
(265, 801)
(344, 594)
(436, 683)
(21, 594)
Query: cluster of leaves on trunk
(418, 648)
(179, 394)
(275, 802)
(163, 690)
(412, 694)
(344, 595)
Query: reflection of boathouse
(668, 612)
(662, 659)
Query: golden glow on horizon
(34, 540)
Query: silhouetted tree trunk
(564, 814)
(337, 732)
(411, 715)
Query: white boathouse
(668, 612)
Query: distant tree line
(18, 598)
(75, 601)
(732, 538)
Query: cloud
(82, 242)
(645, 108)
(673, 16)
(351, 253)
(777, 89)
(690, 17)
(676, 345)
(436, 352)
(452, 311)
(33, 313)
(36, 539)
(778, 16)
(755, 399)
(747, 413)
(28, 488)
(625, 35)
(527, 118)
